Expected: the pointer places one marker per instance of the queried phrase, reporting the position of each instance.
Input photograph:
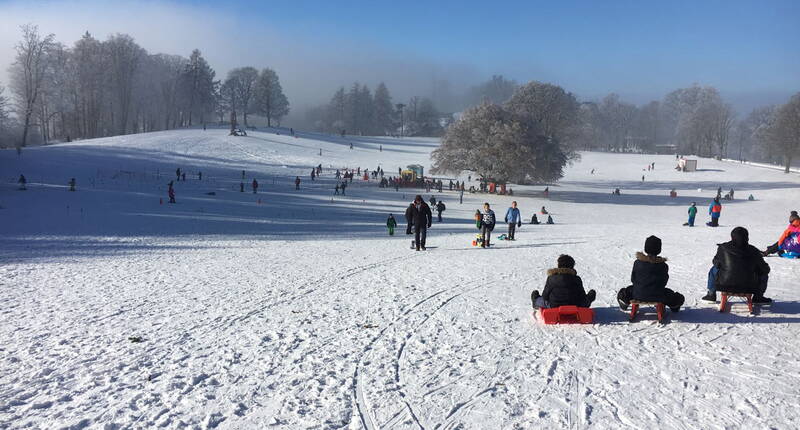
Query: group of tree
(359, 111)
(103, 88)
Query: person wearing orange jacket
(793, 230)
(714, 209)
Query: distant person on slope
(391, 223)
(71, 184)
(514, 220)
(487, 225)
(22, 182)
(563, 287)
(409, 218)
(692, 214)
(543, 211)
(439, 209)
(738, 267)
(255, 186)
(297, 183)
(715, 210)
(775, 247)
(649, 278)
(534, 219)
(171, 193)
(178, 174)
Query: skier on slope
(714, 209)
(487, 225)
(692, 214)
(563, 287)
(514, 220)
(649, 279)
(738, 267)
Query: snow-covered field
(302, 312)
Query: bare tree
(28, 73)
(125, 57)
(784, 135)
(243, 83)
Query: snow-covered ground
(302, 312)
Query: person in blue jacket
(514, 220)
(715, 210)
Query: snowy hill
(295, 309)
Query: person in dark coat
(563, 287)
(439, 209)
(409, 218)
(171, 192)
(649, 279)
(487, 223)
(255, 186)
(738, 268)
(422, 218)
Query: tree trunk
(788, 163)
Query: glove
(519, 223)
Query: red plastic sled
(567, 315)
(724, 300)
(660, 309)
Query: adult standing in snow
(433, 201)
(514, 220)
(297, 183)
(422, 218)
(171, 193)
(649, 279)
(344, 187)
(439, 209)
(178, 174)
(487, 225)
(692, 213)
(715, 210)
(336, 189)
(738, 267)
(255, 186)
(313, 174)
(22, 182)
(199, 176)
(71, 184)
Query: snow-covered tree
(28, 73)
(269, 99)
(553, 110)
(500, 145)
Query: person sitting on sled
(563, 287)
(550, 219)
(534, 219)
(738, 268)
(791, 233)
(649, 279)
(391, 223)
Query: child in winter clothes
(714, 209)
(649, 277)
(692, 214)
(478, 218)
(487, 225)
(391, 223)
(776, 247)
(563, 287)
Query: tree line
(104, 88)
(530, 136)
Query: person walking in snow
(715, 210)
(171, 192)
(336, 189)
(439, 209)
(344, 187)
(649, 279)
(255, 186)
(738, 267)
(563, 287)
(313, 174)
(22, 182)
(514, 220)
(71, 184)
(433, 201)
(692, 214)
(487, 225)
(297, 183)
(178, 174)
(391, 223)
(183, 176)
(420, 215)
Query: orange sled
(724, 300)
(567, 315)
(660, 309)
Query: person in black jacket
(563, 287)
(409, 218)
(649, 278)
(421, 216)
(738, 268)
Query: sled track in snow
(364, 409)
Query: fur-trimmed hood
(641, 256)
(562, 271)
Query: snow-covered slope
(301, 312)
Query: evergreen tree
(269, 99)
(383, 109)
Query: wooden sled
(660, 309)
(567, 315)
(723, 302)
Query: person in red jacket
(715, 210)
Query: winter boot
(590, 296)
(534, 296)
(710, 297)
(761, 300)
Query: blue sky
(639, 49)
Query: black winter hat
(740, 236)
(566, 262)
(652, 245)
